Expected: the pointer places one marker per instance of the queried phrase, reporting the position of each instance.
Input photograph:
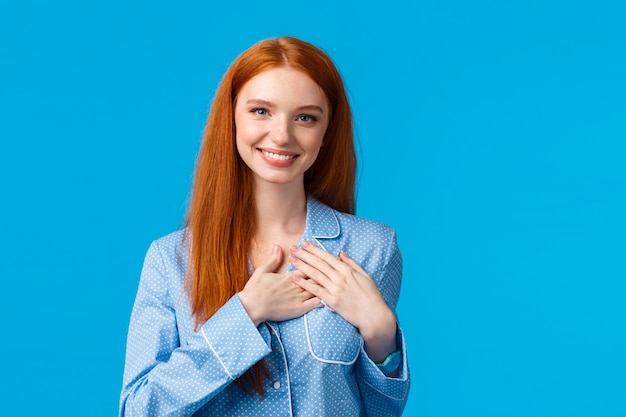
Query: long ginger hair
(222, 213)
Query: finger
(312, 303)
(274, 261)
(320, 292)
(311, 286)
(317, 258)
(311, 272)
(345, 258)
(295, 273)
(319, 252)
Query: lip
(279, 163)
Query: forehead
(283, 85)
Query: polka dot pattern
(317, 365)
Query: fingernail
(276, 249)
(297, 278)
(305, 244)
(293, 259)
(293, 248)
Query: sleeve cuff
(234, 339)
(373, 376)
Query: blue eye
(307, 118)
(259, 111)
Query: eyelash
(258, 110)
(311, 118)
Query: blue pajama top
(317, 363)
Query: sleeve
(384, 395)
(166, 376)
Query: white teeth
(278, 157)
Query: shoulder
(328, 222)
(367, 239)
(364, 240)
(171, 250)
(173, 240)
(365, 227)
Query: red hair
(221, 215)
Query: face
(281, 116)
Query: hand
(348, 290)
(274, 296)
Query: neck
(280, 208)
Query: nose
(281, 131)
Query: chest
(260, 251)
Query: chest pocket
(331, 339)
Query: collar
(321, 220)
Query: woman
(274, 301)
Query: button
(276, 385)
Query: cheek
(317, 139)
(244, 135)
(313, 145)
(242, 140)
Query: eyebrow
(266, 103)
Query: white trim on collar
(322, 220)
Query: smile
(278, 157)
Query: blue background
(492, 136)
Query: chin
(280, 180)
